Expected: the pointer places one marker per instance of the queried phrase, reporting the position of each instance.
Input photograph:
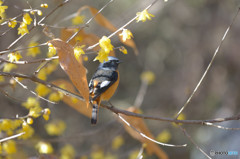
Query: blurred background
(176, 45)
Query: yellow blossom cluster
(143, 16)
(67, 152)
(57, 96)
(55, 127)
(79, 19)
(78, 51)
(27, 20)
(9, 126)
(8, 67)
(51, 50)
(14, 56)
(9, 147)
(123, 50)
(33, 50)
(12, 23)
(164, 136)
(117, 142)
(126, 34)
(99, 154)
(2, 10)
(47, 70)
(44, 147)
(148, 77)
(106, 47)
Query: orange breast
(111, 90)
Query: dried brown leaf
(75, 70)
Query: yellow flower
(85, 58)
(27, 19)
(39, 12)
(164, 136)
(14, 56)
(12, 23)
(102, 56)
(143, 16)
(50, 68)
(44, 5)
(117, 142)
(78, 51)
(46, 113)
(27, 129)
(2, 79)
(30, 120)
(133, 154)
(33, 51)
(110, 156)
(56, 127)
(51, 50)
(55, 96)
(126, 34)
(148, 76)
(8, 67)
(44, 147)
(97, 154)
(105, 44)
(35, 112)
(9, 147)
(42, 74)
(31, 102)
(78, 20)
(23, 29)
(67, 152)
(180, 117)
(2, 17)
(2, 8)
(42, 90)
(5, 125)
(123, 50)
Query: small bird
(103, 84)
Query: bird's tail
(94, 113)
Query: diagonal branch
(208, 67)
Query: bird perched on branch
(103, 84)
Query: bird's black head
(111, 64)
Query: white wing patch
(104, 84)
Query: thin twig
(192, 141)
(34, 93)
(19, 49)
(121, 28)
(141, 93)
(41, 67)
(37, 80)
(87, 23)
(208, 67)
(148, 138)
(29, 62)
(39, 22)
(11, 137)
(9, 96)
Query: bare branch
(208, 67)
(11, 137)
(29, 62)
(34, 93)
(192, 141)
